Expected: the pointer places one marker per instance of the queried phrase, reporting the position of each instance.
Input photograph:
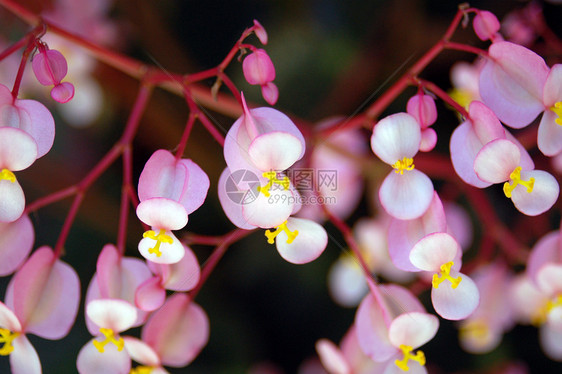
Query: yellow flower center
(160, 238)
(109, 338)
(540, 316)
(462, 97)
(444, 274)
(7, 337)
(291, 235)
(7, 175)
(272, 177)
(515, 176)
(404, 164)
(557, 108)
(477, 330)
(141, 370)
(406, 350)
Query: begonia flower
(105, 353)
(169, 190)
(173, 336)
(549, 138)
(394, 342)
(453, 294)
(404, 234)
(50, 68)
(42, 299)
(181, 276)
(116, 277)
(405, 193)
(258, 69)
(472, 135)
(482, 331)
(27, 131)
(422, 107)
(465, 80)
(260, 32)
(348, 358)
(532, 191)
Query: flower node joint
(160, 238)
(6, 337)
(406, 350)
(291, 235)
(404, 164)
(515, 176)
(7, 175)
(272, 179)
(109, 338)
(444, 274)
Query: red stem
(185, 135)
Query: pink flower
(482, 331)
(27, 131)
(453, 294)
(181, 276)
(116, 277)
(390, 333)
(173, 336)
(260, 32)
(105, 353)
(405, 193)
(169, 190)
(42, 299)
(50, 68)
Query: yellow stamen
(477, 330)
(7, 337)
(540, 317)
(109, 338)
(141, 370)
(160, 238)
(272, 176)
(462, 97)
(291, 235)
(404, 164)
(557, 108)
(515, 176)
(406, 350)
(7, 175)
(444, 274)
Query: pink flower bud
(270, 93)
(260, 32)
(486, 25)
(258, 68)
(50, 68)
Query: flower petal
(150, 295)
(372, 333)
(117, 315)
(20, 233)
(549, 137)
(332, 358)
(24, 358)
(406, 196)
(434, 250)
(170, 253)
(38, 122)
(551, 342)
(162, 213)
(413, 329)
(18, 149)
(541, 198)
(308, 244)
(8, 319)
(181, 276)
(395, 137)
(141, 352)
(232, 195)
(552, 91)
(178, 331)
(458, 303)
(288, 150)
(497, 160)
(92, 361)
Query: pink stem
(185, 135)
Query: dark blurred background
(332, 58)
